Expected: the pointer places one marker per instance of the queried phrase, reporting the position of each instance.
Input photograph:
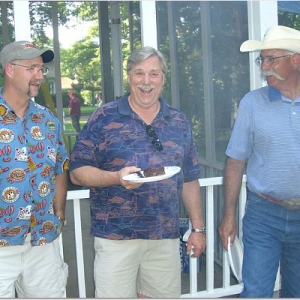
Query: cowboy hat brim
(283, 44)
(276, 37)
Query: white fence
(210, 291)
(227, 289)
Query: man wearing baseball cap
(33, 180)
(266, 138)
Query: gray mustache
(267, 73)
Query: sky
(68, 36)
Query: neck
(16, 102)
(292, 92)
(147, 114)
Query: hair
(287, 52)
(141, 54)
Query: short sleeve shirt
(266, 135)
(115, 137)
(74, 105)
(32, 153)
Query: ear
(9, 70)
(296, 60)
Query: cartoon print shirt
(32, 153)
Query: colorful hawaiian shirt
(115, 137)
(32, 153)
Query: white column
(116, 49)
(261, 15)
(22, 20)
(148, 23)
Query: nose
(265, 64)
(39, 74)
(147, 78)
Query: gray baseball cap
(23, 50)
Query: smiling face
(27, 82)
(146, 80)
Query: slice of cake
(150, 172)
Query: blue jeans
(271, 235)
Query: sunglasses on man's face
(155, 141)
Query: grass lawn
(85, 110)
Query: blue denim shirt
(115, 137)
(266, 134)
(31, 154)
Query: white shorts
(125, 268)
(34, 272)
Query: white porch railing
(211, 229)
(76, 196)
(210, 292)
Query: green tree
(289, 19)
(81, 62)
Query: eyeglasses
(34, 69)
(155, 142)
(268, 59)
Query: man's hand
(196, 243)
(129, 185)
(226, 229)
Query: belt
(292, 204)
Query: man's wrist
(63, 221)
(199, 230)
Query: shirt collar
(31, 105)
(274, 94)
(124, 107)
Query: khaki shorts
(125, 268)
(34, 272)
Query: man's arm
(59, 204)
(232, 184)
(191, 197)
(93, 177)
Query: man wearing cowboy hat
(266, 137)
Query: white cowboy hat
(276, 37)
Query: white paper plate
(170, 171)
(235, 256)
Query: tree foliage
(222, 76)
(82, 63)
(41, 17)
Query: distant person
(99, 100)
(266, 140)
(74, 111)
(33, 180)
(136, 226)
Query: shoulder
(173, 113)
(256, 97)
(104, 112)
(38, 109)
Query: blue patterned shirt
(266, 134)
(31, 154)
(115, 137)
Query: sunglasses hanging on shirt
(155, 141)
